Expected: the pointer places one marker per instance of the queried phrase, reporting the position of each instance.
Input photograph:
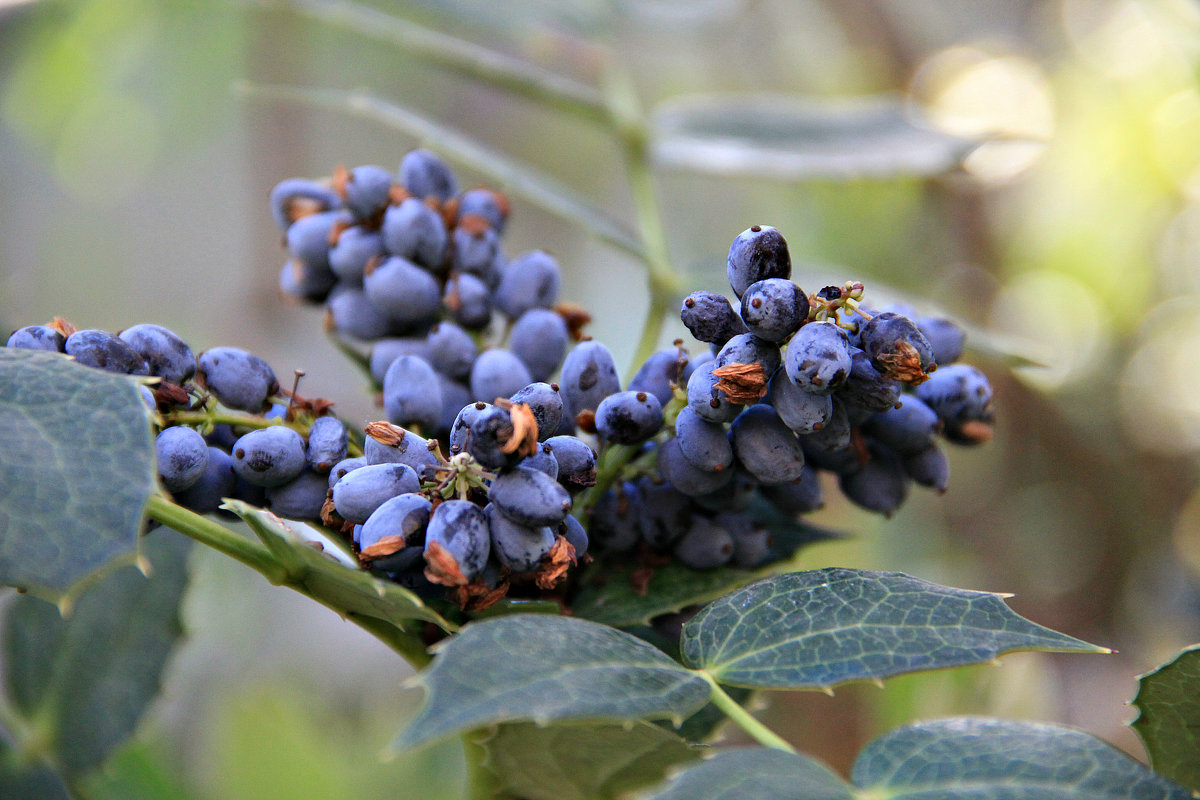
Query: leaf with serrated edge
(788, 137)
(756, 774)
(582, 762)
(817, 629)
(76, 469)
(1168, 703)
(91, 676)
(329, 581)
(543, 669)
(993, 759)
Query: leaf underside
(1168, 722)
(76, 469)
(544, 669)
(818, 629)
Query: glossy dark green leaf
(787, 137)
(1168, 703)
(76, 468)
(329, 581)
(817, 629)
(614, 598)
(583, 762)
(540, 668)
(83, 682)
(756, 774)
(992, 759)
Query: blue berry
(539, 338)
(485, 203)
(167, 355)
(38, 337)
(304, 282)
(412, 394)
(588, 376)
(182, 457)
(365, 489)
(576, 462)
(897, 348)
(962, 398)
(543, 461)
(704, 398)
(757, 253)
(452, 351)
(929, 467)
(340, 469)
(303, 497)
(546, 403)
(575, 535)
(746, 348)
(238, 379)
(498, 373)
(710, 318)
(469, 301)
(406, 294)
(349, 313)
(531, 280)
(614, 525)
(415, 232)
(308, 239)
(410, 449)
(685, 477)
(751, 541)
(477, 251)
(907, 429)
(800, 496)
(660, 373)
(866, 387)
(487, 435)
(880, 485)
(529, 497)
(404, 516)
(819, 357)
(774, 308)
(628, 417)
(666, 513)
(354, 249)
(366, 191)
(208, 492)
(461, 529)
(385, 351)
(832, 447)
(455, 395)
(294, 198)
(103, 350)
(327, 444)
(516, 546)
(765, 447)
(706, 545)
(704, 444)
(423, 174)
(945, 337)
(803, 412)
(269, 456)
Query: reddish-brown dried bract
(743, 384)
(524, 438)
(554, 566)
(576, 317)
(904, 365)
(386, 546)
(442, 568)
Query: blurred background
(134, 172)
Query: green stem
(663, 283)
(481, 782)
(744, 719)
(217, 536)
(466, 58)
(406, 644)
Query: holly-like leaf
(756, 774)
(81, 683)
(992, 759)
(543, 669)
(327, 580)
(1168, 703)
(786, 137)
(582, 762)
(817, 629)
(951, 759)
(616, 597)
(76, 468)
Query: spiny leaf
(992, 759)
(756, 774)
(825, 627)
(787, 137)
(76, 468)
(543, 669)
(83, 682)
(582, 762)
(522, 180)
(1168, 703)
(342, 588)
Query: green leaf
(543, 669)
(135, 772)
(76, 468)
(611, 597)
(818, 629)
(992, 759)
(82, 683)
(582, 762)
(704, 724)
(345, 589)
(787, 137)
(543, 191)
(27, 781)
(1168, 703)
(756, 774)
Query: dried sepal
(743, 384)
(554, 566)
(386, 546)
(524, 437)
(441, 567)
(903, 365)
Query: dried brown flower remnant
(386, 546)
(743, 384)
(477, 595)
(904, 365)
(524, 438)
(442, 567)
(576, 317)
(555, 564)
